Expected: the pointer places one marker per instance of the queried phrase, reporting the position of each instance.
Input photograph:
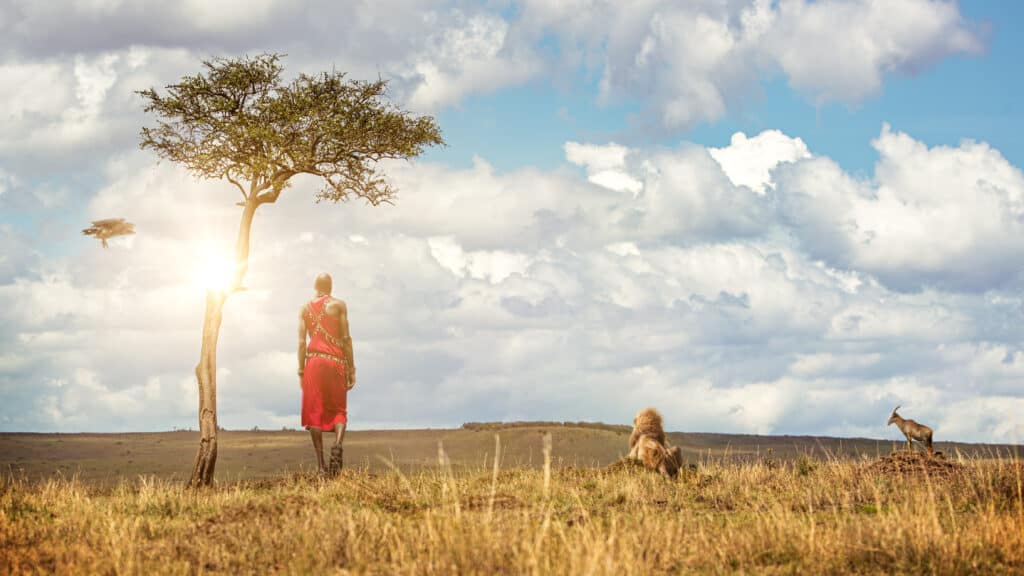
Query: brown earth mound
(906, 463)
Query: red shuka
(324, 380)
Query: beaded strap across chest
(316, 319)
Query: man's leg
(318, 446)
(337, 453)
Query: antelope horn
(895, 409)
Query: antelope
(912, 430)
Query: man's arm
(302, 341)
(346, 345)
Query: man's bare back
(327, 371)
(336, 308)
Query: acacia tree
(237, 121)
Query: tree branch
(237, 185)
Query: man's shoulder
(336, 304)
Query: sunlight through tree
(238, 121)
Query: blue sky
(760, 217)
(963, 96)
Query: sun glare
(216, 271)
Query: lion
(647, 444)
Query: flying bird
(104, 229)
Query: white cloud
(1000, 415)
(72, 111)
(605, 164)
(84, 402)
(749, 161)
(841, 49)
(435, 54)
(824, 363)
(687, 194)
(29, 88)
(491, 265)
(529, 294)
(686, 62)
(687, 58)
(228, 15)
(922, 317)
(7, 181)
(466, 55)
(944, 216)
(694, 61)
(745, 288)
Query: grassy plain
(109, 459)
(732, 511)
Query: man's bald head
(323, 283)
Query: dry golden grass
(808, 517)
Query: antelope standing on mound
(912, 430)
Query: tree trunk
(206, 376)
(206, 370)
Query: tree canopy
(238, 121)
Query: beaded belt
(325, 356)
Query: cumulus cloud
(7, 181)
(942, 216)
(470, 57)
(69, 113)
(840, 50)
(491, 265)
(436, 52)
(68, 69)
(605, 164)
(749, 161)
(693, 61)
(527, 294)
(753, 287)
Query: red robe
(324, 380)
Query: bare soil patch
(904, 463)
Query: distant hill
(109, 458)
(696, 445)
(491, 426)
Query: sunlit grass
(818, 517)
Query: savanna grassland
(110, 459)
(807, 514)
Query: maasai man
(326, 370)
